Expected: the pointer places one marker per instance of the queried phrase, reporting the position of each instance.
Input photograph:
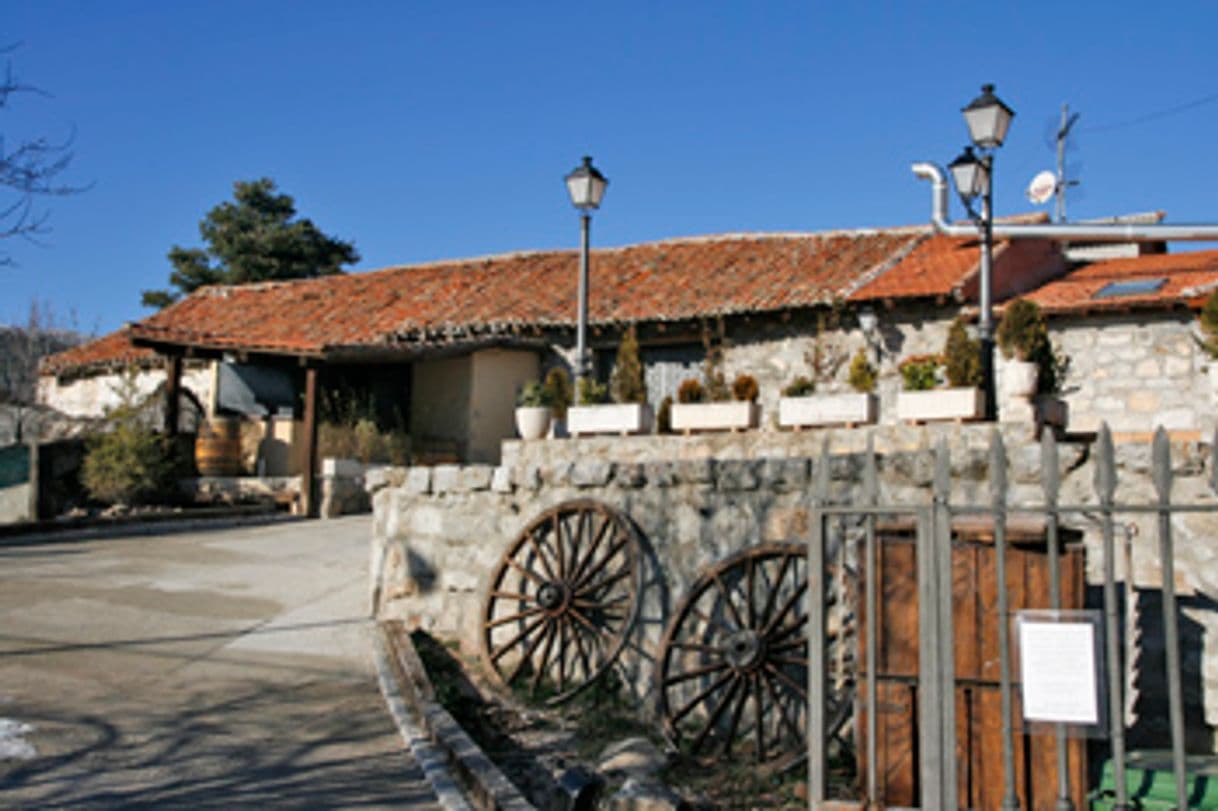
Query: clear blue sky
(429, 130)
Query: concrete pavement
(228, 668)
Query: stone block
(909, 468)
(529, 478)
(382, 476)
(660, 474)
(785, 475)
(474, 478)
(737, 474)
(644, 795)
(695, 471)
(417, 480)
(630, 474)
(425, 520)
(501, 480)
(445, 478)
(590, 473)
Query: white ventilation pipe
(1080, 232)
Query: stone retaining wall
(439, 532)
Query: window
(1133, 287)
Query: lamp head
(586, 185)
(988, 119)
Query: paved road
(229, 668)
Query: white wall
(92, 396)
(497, 374)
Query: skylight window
(1133, 287)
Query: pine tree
(253, 239)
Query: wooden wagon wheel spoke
(510, 618)
(562, 600)
(732, 658)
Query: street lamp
(586, 185)
(988, 119)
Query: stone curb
(431, 760)
(48, 532)
(488, 788)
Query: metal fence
(936, 746)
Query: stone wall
(1136, 372)
(439, 532)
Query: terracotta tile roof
(937, 266)
(1187, 279)
(110, 351)
(661, 281)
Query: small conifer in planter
(558, 387)
(862, 375)
(961, 357)
(627, 384)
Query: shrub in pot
(695, 410)
(1023, 335)
(533, 410)
(801, 386)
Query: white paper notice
(1058, 672)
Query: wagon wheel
(734, 658)
(562, 600)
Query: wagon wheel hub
(746, 650)
(553, 597)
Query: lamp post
(586, 185)
(988, 119)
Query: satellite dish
(1042, 187)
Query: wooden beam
(173, 393)
(308, 496)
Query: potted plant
(629, 412)
(696, 410)
(558, 388)
(963, 399)
(1032, 370)
(801, 406)
(532, 410)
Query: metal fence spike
(1105, 466)
(822, 473)
(871, 490)
(1051, 480)
(1161, 454)
(998, 468)
(943, 471)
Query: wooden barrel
(218, 447)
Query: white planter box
(941, 404)
(851, 408)
(730, 416)
(616, 418)
(532, 422)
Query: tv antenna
(1068, 121)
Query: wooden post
(173, 391)
(308, 495)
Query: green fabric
(1150, 784)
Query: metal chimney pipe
(1081, 232)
